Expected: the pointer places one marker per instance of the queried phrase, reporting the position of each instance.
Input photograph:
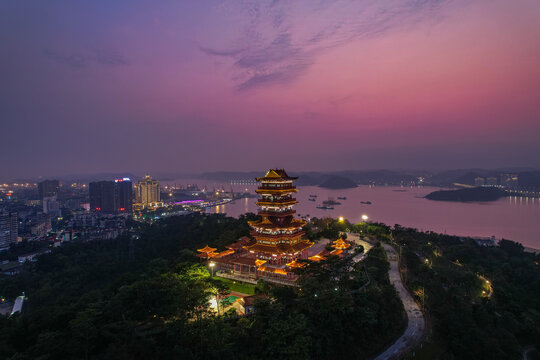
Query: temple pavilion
(278, 235)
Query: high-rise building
(147, 192)
(48, 188)
(50, 206)
(111, 197)
(123, 195)
(8, 229)
(102, 196)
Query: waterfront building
(147, 192)
(509, 181)
(479, 181)
(48, 188)
(8, 229)
(491, 181)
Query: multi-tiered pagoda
(278, 234)
(278, 237)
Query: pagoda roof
(294, 235)
(239, 244)
(250, 300)
(207, 255)
(316, 258)
(276, 191)
(224, 253)
(272, 270)
(207, 249)
(267, 224)
(281, 248)
(340, 244)
(276, 174)
(242, 260)
(296, 264)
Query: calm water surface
(512, 218)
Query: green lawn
(238, 286)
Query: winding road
(416, 322)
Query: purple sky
(101, 86)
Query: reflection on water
(515, 218)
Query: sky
(193, 86)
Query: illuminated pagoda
(278, 234)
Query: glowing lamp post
(212, 264)
(341, 219)
(364, 218)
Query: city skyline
(226, 85)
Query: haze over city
(246, 85)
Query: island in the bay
(466, 195)
(338, 182)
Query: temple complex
(278, 236)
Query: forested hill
(472, 194)
(147, 297)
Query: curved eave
(277, 204)
(275, 191)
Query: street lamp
(341, 219)
(364, 217)
(212, 264)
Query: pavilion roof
(281, 248)
(267, 224)
(207, 255)
(340, 244)
(207, 249)
(237, 260)
(259, 262)
(276, 174)
(239, 244)
(249, 300)
(272, 270)
(224, 253)
(296, 264)
(317, 258)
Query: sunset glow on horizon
(243, 85)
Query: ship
(325, 207)
(331, 201)
(342, 198)
(311, 199)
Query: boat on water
(325, 207)
(365, 202)
(331, 201)
(342, 198)
(313, 196)
(311, 199)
